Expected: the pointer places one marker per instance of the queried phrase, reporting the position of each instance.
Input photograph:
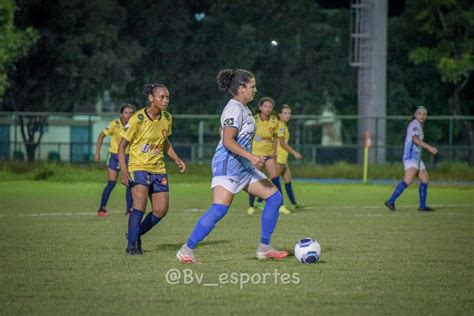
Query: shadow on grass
(176, 246)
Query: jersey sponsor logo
(140, 117)
(156, 149)
(258, 138)
(145, 148)
(229, 122)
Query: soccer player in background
(412, 162)
(147, 134)
(113, 130)
(264, 145)
(235, 168)
(283, 150)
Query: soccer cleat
(265, 252)
(425, 209)
(284, 210)
(102, 212)
(259, 205)
(186, 255)
(299, 205)
(391, 207)
(251, 210)
(139, 242)
(133, 250)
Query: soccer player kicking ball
(235, 168)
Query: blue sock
(251, 199)
(276, 182)
(289, 192)
(423, 190)
(270, 217)
(398, 190)
(134, 221)
(206, 223)
(148, 223)
(106, 193)
(128, 197)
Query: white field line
(316, 208)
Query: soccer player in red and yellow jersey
(113, 130)
(147, 134)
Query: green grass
(57, 257)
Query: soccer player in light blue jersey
(235, 168)
(412, 162)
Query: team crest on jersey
(140, 117)
(164, 132)
(145, 148)
(229, 122)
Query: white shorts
(417, 164)
(235, 184)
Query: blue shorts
(156, 183)
(113, 162)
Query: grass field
(57, 257)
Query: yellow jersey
(146, 141)
(283, 132)
(113, 130)
(266, 131)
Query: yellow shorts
(282, 158)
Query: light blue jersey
(411, 150)
(224, 162)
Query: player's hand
(433, 150)
(297, 155)
(125, 178)
(257, 161)
(181, 165)
(97, 157)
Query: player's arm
(275, 146)
(424, 145)
(289, 149)
(100, 141)
(173, 155)
(228, 140)
(125, 175)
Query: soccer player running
(147, 135)
(283, 151)
(264, 145)
(412, 162)
(235, 168)
(113, 130)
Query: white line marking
(319, 207)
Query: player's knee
(276, 199)
(160, 212)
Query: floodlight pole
(369, 55)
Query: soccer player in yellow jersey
(283, 150)
(264, 145)
(113, 130)
(147, 134)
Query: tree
(449, 28)
(14, 43)
(80, 54)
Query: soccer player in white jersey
(235, 168)
(412, 161)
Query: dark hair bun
(224, 79)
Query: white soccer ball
(307, 250)
(274, 43)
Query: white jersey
(224, 162)
(412, 151)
